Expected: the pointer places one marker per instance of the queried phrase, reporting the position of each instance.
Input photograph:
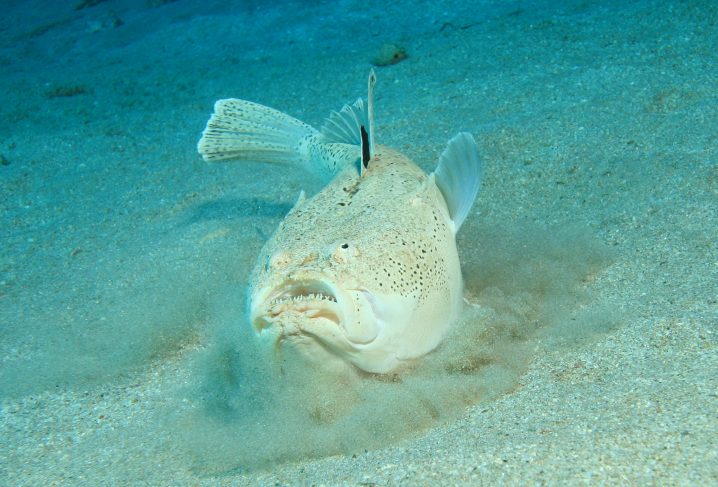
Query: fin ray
(343, 126)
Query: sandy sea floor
(125, 256)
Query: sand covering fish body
(367, 269)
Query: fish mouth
(295, 302)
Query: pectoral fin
(458, 176)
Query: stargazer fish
(367, 269)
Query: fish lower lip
(305, 308)
(289, 319)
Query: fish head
(367, 269)
(317, 302)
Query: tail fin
(240, 129)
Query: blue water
(125, 257)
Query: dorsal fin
(370, 109)
(458, 176)
(345, 126)
(365, 150)
(367, 138)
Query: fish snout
(295, 301)
(280, 261)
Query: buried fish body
(367, 269)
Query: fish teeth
(303, 297)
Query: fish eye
(343, 253)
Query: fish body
(366, 269)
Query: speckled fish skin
(367, 268)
